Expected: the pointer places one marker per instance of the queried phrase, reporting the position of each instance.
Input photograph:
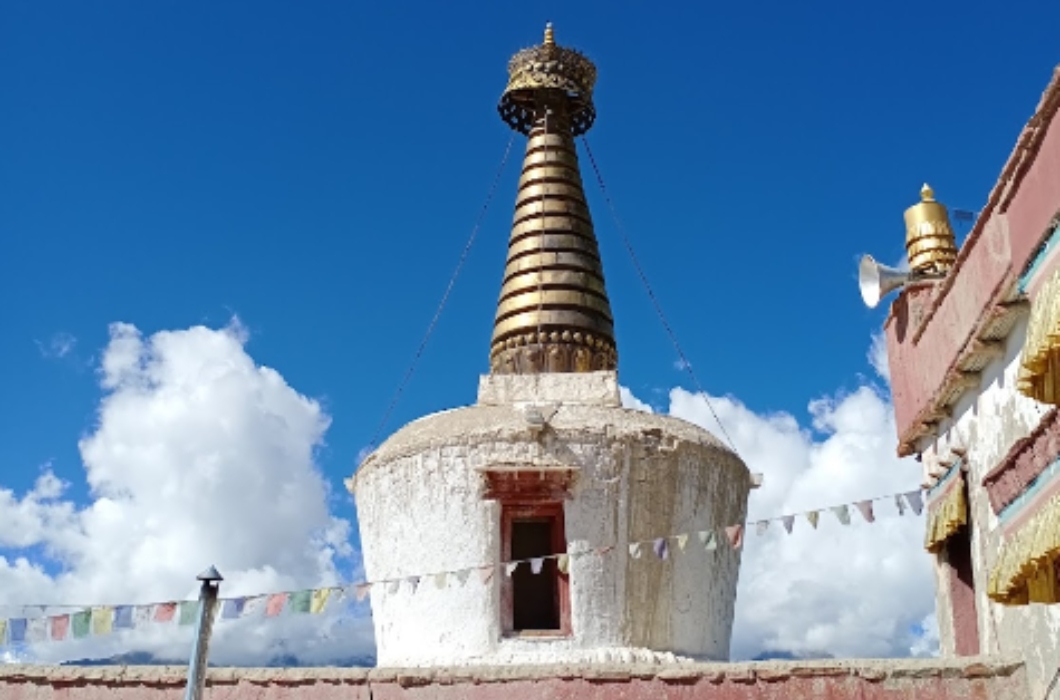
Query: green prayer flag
(299, 602)
(81, 623)
(189, 610)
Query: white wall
(987, 422)
(421, 510)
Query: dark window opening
(535, 597)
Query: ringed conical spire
(553, 314)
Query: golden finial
(930, 244)
(549, 38)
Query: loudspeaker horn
(877, 281)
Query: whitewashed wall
(421, 510)
(987, 422)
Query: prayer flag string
(35, 626)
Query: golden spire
(553, 314)
(929, 241)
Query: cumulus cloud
(199, 456)
(850, 591)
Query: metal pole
(211, 583)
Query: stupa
(548, 462)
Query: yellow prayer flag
(318, 600)
(102, 620)
(563, 563)
(3, 630)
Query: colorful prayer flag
(362, 591)
(709, 539)
(813, 516)
(123, 617)
(661, 548)
(462, 576)
(563, 563)
(37, 630)
(915, 501)
(634, 550)
(82, 623)
(414, 582)
(16, 630)
(440, 580)
(164, 612)
(319, 600)
(232, 608)
(60, 626)
(536, 564)
(141, 615)
(102, 620)
(682, 540)
(866, 510)
(3, 631)
(255, 605)
(275, 604)
(789, 522)
(300, 601)
(485, 573)
(843, 513)
(761, 526)
(900, 504)
(735, 535)
(189, 612)
(510, 568)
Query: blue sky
(316, 169)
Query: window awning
(1039, 375)
(528, 482)
(1028, 565)
(947, 510)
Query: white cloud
(854, 591)
(631, 401)
(878, 356)
(199, 457)
(58, 346)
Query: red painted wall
(928, 679)
(927, 332)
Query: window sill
(538, 635)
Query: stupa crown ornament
(553, 314)
(548, 66)
(930, 244)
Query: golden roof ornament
(553, 314)
(930, 244)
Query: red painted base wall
(929, 679)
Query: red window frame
(510, 512)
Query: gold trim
(946, 515)
(1026, 567)
(1039, 375)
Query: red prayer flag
(735, 534)
(164, 612)
(60, 626)
(275, 605)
